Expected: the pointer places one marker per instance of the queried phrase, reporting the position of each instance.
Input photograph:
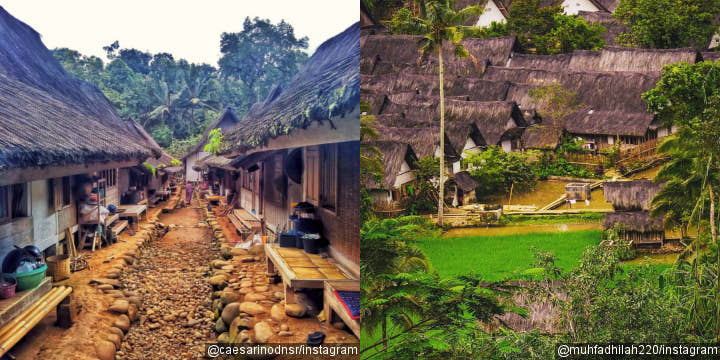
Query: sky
(186, 29)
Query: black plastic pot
(310, 245)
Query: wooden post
(65, 314)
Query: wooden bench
(333, 305)
(245, 223)
(19, 314)
(118, 227)
(171, 204)
(300, 270)
(153, 201)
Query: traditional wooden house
(54, 131)
(226, 120)
(632, 201)
(301, 147)
(398, 161)
(155, 173)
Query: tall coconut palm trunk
(441, 197)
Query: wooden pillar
(65, 314)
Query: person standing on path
(188, 192)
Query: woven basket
(58, 267)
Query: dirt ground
(47, 341)
(169, 274)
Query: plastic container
(287, 240)
(30, 279)
(310, 245)
(7, 287)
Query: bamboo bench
(22, 312)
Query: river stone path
(175, 320)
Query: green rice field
(505, 256)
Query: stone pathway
(170, 277)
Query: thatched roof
(466, 182)
(618, 58)
(423, 139)
(531, 76)
(710, 55)
(631, 195)
(393, 155)
(542, 137)
(639, 221)
(557, 62)
(609, 5)
(390, 54)
(49, 118)
(613, 26)
(212, 161)
(492, 119)
(588, 121)
(225, 121)
(327, 86)
(428, 85)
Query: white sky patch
(186, 29)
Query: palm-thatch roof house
(398, 161)
(301, 145)
(632, 201)
(55, 131)
(226, 120)
(154, 184)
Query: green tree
(215, 141)
(262, 54)
(371, 168)
(688, 96)
(497, 171)
(441, 23)
(667, 24)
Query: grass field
(506, 256)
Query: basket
(58, 267)
(30, 279)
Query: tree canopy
(667, 24)
(176, 100)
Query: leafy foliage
(546, 30)
(262, 54)
(497, 170)
(215, 141)
(668, 24)
(422, 197)
(175, 100)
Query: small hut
(466, 186)
(632, 203)
(577, 191)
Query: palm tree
(164, 99)
(441, 23)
